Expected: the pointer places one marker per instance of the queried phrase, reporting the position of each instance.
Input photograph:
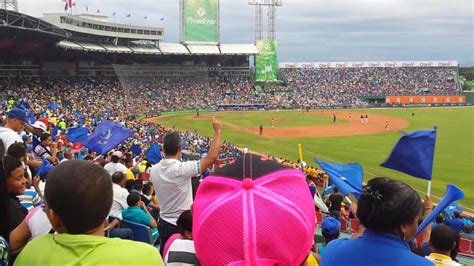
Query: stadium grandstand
(80, 96)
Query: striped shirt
(181, 253)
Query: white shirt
(119, 201)
(172, 181)
(8, 136)
(111, 168)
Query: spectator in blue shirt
(456, 223)
(390, 211)
(137, 212)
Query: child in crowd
(330, 230)
(442, 242)
(137, 212)
(179, 248)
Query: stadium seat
(319, 217)
(343, 224)
(465, 246)
(141, 232)
(354, 226)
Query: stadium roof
(173, 48)
(98, 26)
(229, 49)
(20, 33)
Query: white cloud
(315, 29)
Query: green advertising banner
(200, 21)
(266, 68)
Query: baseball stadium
(202, 152)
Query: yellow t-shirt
(311, 261)
(129, 175)
(441, 260)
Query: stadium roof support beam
(271, 31)
(9, 5)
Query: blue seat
(141, 232)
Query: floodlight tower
(9, 5)
(271, 31)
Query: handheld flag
(413, 154)
(452, 208)
(30, 118)
(346, 177)
(107, 136)
(54, 132)
(77, 134)
(162, 18)
(23, 105)
(136, 149)
(44, 168)
(145, 17)
(153, 154)
(129, 15)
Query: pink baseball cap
(254, 211)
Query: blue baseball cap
(17, 113)
(330, 226)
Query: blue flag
(136, 149)
(53, 106)
(23, 105)
(452, 208)
(54, 132)
(77, 134)
(413, 154)
(153, 154)
(346, 177)
(44, 169)
(30, 118)
(107, 135)
(329, 189)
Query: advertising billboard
(266, 68)
(425, 99)
(200, 21)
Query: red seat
(343, 224)
(319, 217)
(465, 246)
(354, 226)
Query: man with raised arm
(172, 180)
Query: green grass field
(454, 156)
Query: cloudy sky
(318, 30)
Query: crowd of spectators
(345, 86)
(122, 185)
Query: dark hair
(456, 214)
(127, 160)
(442, 238)
(17, 150)
(44, 136)
(439, 219)
(328, 237)
(114, 159)
(129, 184)
(172, 143)
(88, 158)
(117, 177)
(386, 204)
(132, 199)
(4, 206)
(185, 222)
(10, 164)
(138, 184)
(147, 188)
(335, 190)
(80, 193)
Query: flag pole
(429, 188)
(300, 152)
